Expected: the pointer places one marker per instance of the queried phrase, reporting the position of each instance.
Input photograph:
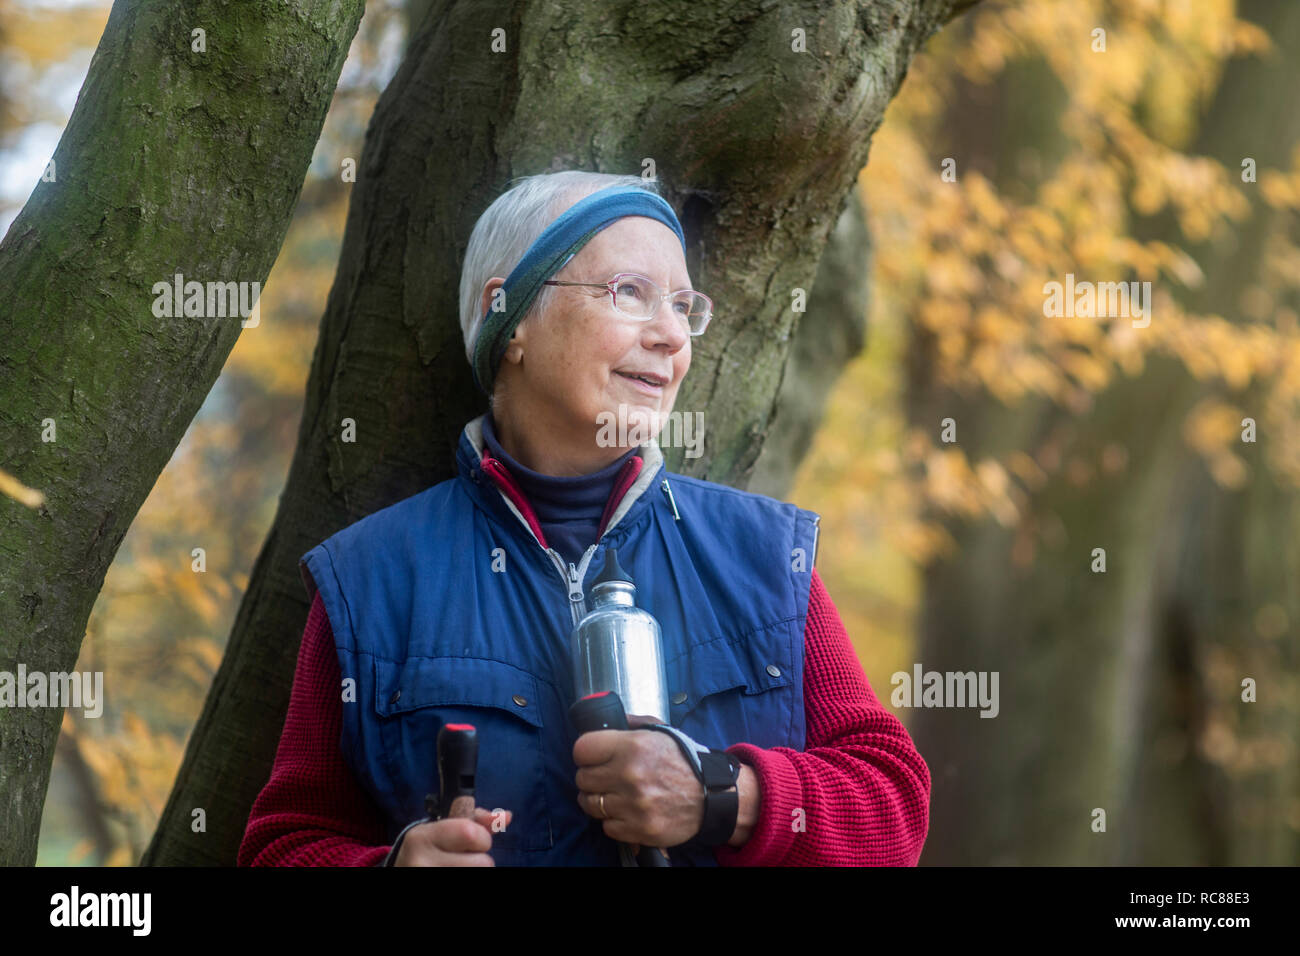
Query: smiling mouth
(643, 381)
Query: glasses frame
(612, 285)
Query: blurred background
(1171, 154)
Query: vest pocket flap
(455, 681)
(757, 663)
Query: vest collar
(484, 472)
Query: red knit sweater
(863, 788)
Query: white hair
(511, 224)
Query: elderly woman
(456, 605)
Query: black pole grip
(604, 711)
(600, 711)
(457, 766)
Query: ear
(514, 352)
(489, 289)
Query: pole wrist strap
(718, 772)
(391, 859)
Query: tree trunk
(757, 147)
(830, 336)
(1109, 696)
(174, 161)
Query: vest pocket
(416, 697)
(736, 691)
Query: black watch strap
(722, 797)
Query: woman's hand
(455, 841)
(652, 796)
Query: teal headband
(559, 243)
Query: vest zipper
(573, 579)
(574, 576)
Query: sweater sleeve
(859, 794)
(313, 811)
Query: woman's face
(569, 367)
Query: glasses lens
(638, 298)
(695, 309)
(635, 296)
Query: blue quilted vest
(445, 608)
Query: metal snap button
(679, 698)
(774, 670)
(520, 700)
(395, 698)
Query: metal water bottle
(617, 646)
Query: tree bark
(757, 147)
(830, 336)
(174, 161)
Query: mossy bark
(174, 161)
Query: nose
(668, 326)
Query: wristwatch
(718, 771)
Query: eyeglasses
(638, 298)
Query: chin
(628, 424)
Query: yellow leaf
(15, 489)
